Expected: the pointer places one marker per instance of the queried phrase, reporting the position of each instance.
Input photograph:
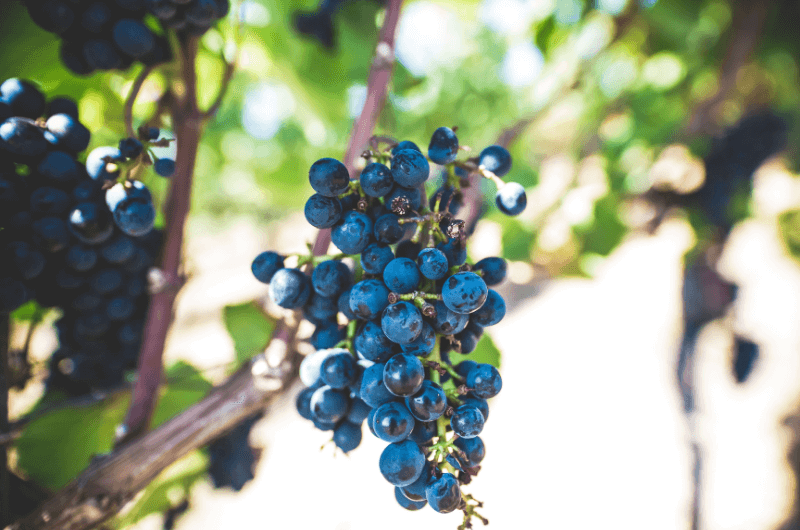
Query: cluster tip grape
(384, 331)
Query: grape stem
(131, 99)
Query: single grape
(443, 148)
(343, 304)
(402, 463)
(416, 490)
(388, 229)
(28, 261)
(289, 288)
(347, 436)
(59, 168)
(327, 335)
(130, 147)
(392, 422)
(23, 97)
(329, 405)
(322, 212)
(402, 200)
(428, 403)
(464, 292)
(375, 258)
(164, 167)
(467, 421)
(376, 180)
(401, 275)
(368, 299)
(447, 322)
(401, 322)
(373, 391)
(329, 177)
(65, 132)
(405, 144)
(468, 339)
(410, 168)
(358, 412)
(50, 234)
(455, 250)
(493, 269)
(338, 370)
(484, 380)
(62, 105)
(496, 159)
(407, 503)
(47, 201)
(473, 449)
(266, 265)
(101, 163)
(491, 312)
(423, 344)
(372, 344)
(330, 278)
(511, 199)
(23, 138)
(133, 37)
(432, 263)
(311, 366)
(443, 494)
(352, 233)
(423, 432)
(118, 249)
(319, 309)
(403, 375)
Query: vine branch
(131, 99)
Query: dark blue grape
(96, 17)
(416, 490)
(329, 177)
(289, 288)
(67, 133)
(480, 403)
(423, 344)
(401, 322)
(464, 292)
(347, 436)
(402, 463)
(403, 375)
(463, 368)
(62, 105)
(401, 275)
(106, 281)
(101, 54)
(303, 403)
(467, 421)
(23, 98)
(455, 250)
(443, 148)
(28, 261)
(428, 403)
(443, 494)
(164, 167)
(373, 392)
(491, 312)
(59, 168)
(118, 250)
(133, 37)
(47, 201)
(352, 233)
(23, 138)
(266, 265)
(388, 229)
(358, 412)
(392, 422)
(132, 207)
(447, 322)
(329, 405)
(120, 308)
(494, 270)
(410, 168)
(50, 234)
(90, 223)
(468, 338)
(372, 344)
(327, 335)
(376, 180)
(473, 449)
(311, 367)
(368, 298)
(322, 212)
(407, 503)
(496, 159)
(511, 199)
(484, 380)
(432, 263)
(375, 258)
(101, 163)
(423, 432)
(338, 370)
(745, 356)
(330, 278)
(405, 144)
(80, 258)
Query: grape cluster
(65, 244)
(193, 17)
(318, 25)
(100, 34)
(411, 301)
(232, 459)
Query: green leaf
(185, 387)
(167, 489)
(56, 447)
(517, 241)
(28, 312)
(486, 352)
(789, 228)
(607, 230)
(249, 328)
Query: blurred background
(652, 350)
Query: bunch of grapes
(193, 17)
(100, 34)
(71, 238)
(412, 299)
(318, 25)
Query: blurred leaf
(56, 447)
(517, 240)
(485, 352)
(185, 387)
(249, 328)
(168, 487)
(607, 230)
(27, 312)
(789, 228)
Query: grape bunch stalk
(384, 332)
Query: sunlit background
(611, 101)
